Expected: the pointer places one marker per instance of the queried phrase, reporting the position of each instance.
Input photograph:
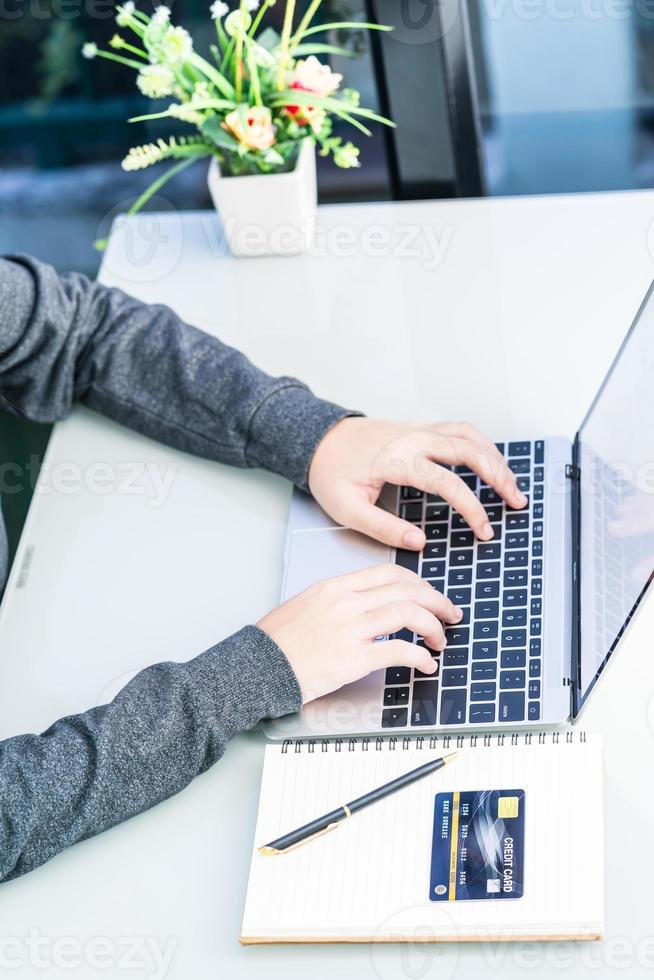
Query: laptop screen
(616, 459)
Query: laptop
(545, 603)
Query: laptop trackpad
(326, 552)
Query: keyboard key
(536, 568)
(512, 680)
(536, 586)
(462, 539)
(539, 451)
(398, 675)
(465, 618)
(483, 692)
(406, 635)
(411, 512)
(538, 491)
(438, 584)
(453, 707)
(536, 607)
(486, 552)
(535, 627)
(533, 711)
(481, 714)
(519, 448)
(436, 660)
(434, 549)
(516, 539)
(459, 523)
(483, 670)
(437, 512)
(489, 496)
(500, 447)
(539, 474)
(407, 559)
(487, 610)
(534, 689)
(518, 577)
(488, 569)
(516, 520)
(487, 590)
(537, 512)
(514, 597)
(537, 549)
(432, 569)
(514, 617)
(436, 532)
(470, 481)
(538, 529)
(513, 658)
(534, 648)
(396, 695)
(494, 513)
(523, 483)
(485, 631)
(459, 576)
(460, 558)
(455, 677)
(435, 498)
(394, 717)
(516, 559)
(457, 636)
(512, 706)
(410, 493)
(455, 658)
(460, 597)
(514, 638)
(519, 465)
(484, 651)
(534, 668)
(423, 705)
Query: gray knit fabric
(66, 339)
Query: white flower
(251, 5)
(161, 15)
(125, 13)
(176, 44)
(238, 21)
(218, 9)
(347, 156)
(89, 50)
(261, 56)
(155, 81)
(312, 76)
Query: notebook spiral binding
(376, 744)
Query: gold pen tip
(450, 755)
(268, 851)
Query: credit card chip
(508, 807)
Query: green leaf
(343, 109)
(346, 25)
(221, 83)
(160, 181)
(268, 39)
(322, 49)
(212, 129)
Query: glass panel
(567, 90)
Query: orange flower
(252, 127)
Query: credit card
(478, 845)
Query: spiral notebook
(504, 843)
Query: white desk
(512, 328)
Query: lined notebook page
(369, 879)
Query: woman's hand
(327, 632)
(358, 456)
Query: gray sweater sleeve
(65, 339)
(91, 771)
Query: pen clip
(269, 851)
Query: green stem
(130, 47)
(257, 20)
(255, 86)
(160, 181)
(121, 61)
(304, 23)
(286, 35)
(238, 54)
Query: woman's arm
(64, 338)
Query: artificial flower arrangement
(253, 104)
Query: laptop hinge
(572, 471)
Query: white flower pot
(268, 214)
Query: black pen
(330, 821)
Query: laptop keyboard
(490, 671)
